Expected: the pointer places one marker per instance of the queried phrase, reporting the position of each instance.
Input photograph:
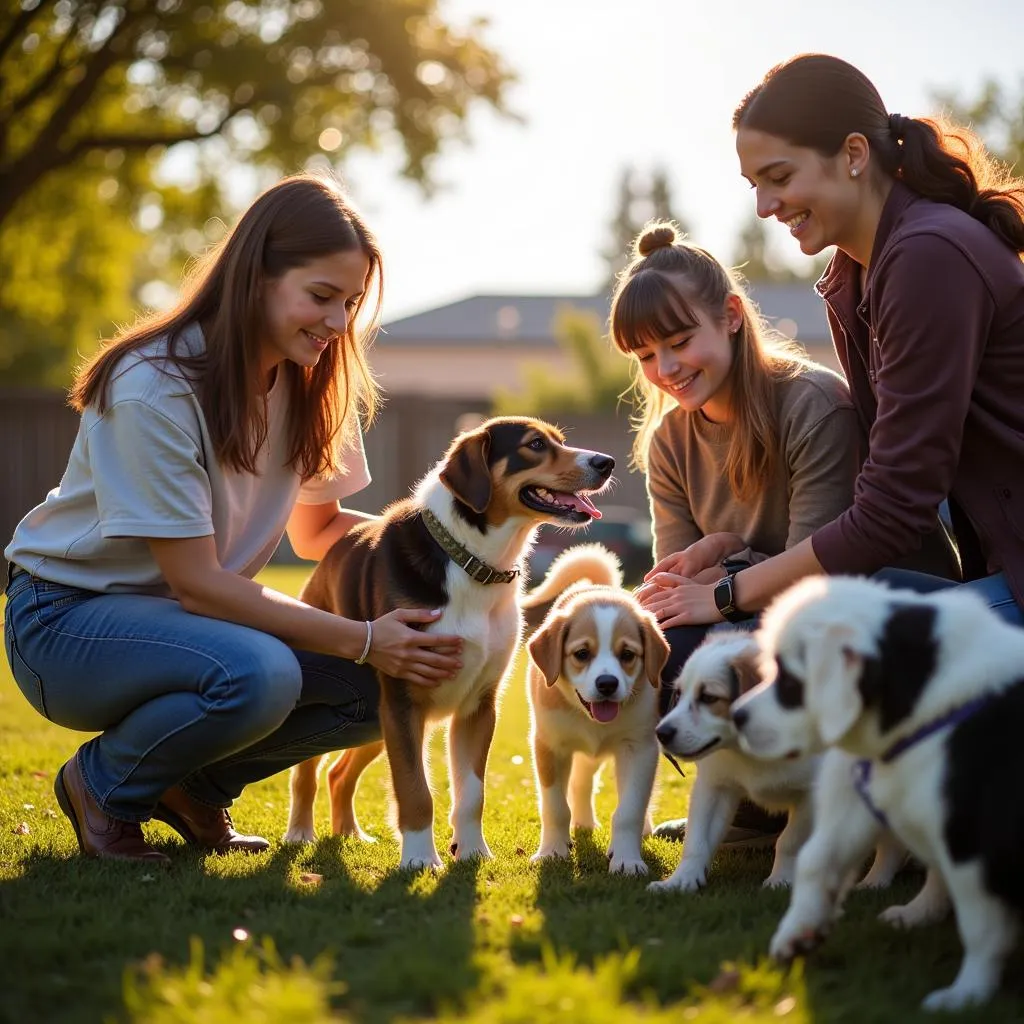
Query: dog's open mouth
(692, 755)
(575, 506)
(601, 710)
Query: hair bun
(656, 236)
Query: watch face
(723, 595)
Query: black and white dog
(927, 693)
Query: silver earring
(854, 172)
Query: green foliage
(996, 115)
(250, 983)
(595, 382)
(96, 92)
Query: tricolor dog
(592, 682)
(926, 694)
(456, 544)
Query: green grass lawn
(334, 932)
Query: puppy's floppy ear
(656, 649)
(466, 472)
(832, 693)
(545, 647)
(743, 669)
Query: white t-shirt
(145, 468)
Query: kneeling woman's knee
(263, 682)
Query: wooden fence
(37, 430)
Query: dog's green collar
(476, 568)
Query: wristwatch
(725, 600)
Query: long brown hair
(816, 101)
(671, 286)
(299, 219)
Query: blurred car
(623, 530)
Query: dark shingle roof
(529, 318)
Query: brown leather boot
(98, 834)
(200, 825)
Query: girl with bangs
(206, 432)
(748, 447)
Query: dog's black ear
(655, 649)
(466, 472)
(545, 647)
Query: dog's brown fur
(477, 492)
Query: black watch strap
(725, 600)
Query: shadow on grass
(400, 943)
(864, 973)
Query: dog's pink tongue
(580, 502)
(604, 710)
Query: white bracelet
(369, 640)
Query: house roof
(528, 318)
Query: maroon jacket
(934, 355)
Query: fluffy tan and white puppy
(595, 664)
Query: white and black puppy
(592, 684)
(927, 693)
(699, 727)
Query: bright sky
(606, 83)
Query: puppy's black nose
(604, 464)
(606, 685)
(666, 734)
(739, 717)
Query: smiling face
(309, 307)
(692, 366)
(517, 467)
(599, 646)
(817, 197)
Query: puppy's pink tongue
(580, 502)
(604, 710)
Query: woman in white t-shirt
(206, 432)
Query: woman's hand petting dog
(677, 600)
(704, 554)
(404, 652)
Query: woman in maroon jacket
(925, 298)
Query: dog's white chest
(488, 620)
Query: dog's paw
(549, 850)
(907, 915)
(418, 861)
(626, 864)
(469, 850)
(794, 939)
(956, 997)
(778, 880)
(587, 824)
(690, 882)
(299, 834)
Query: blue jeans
(994, 590)
(177, 698)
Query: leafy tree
(638, 202)
(996, 116)
(93, 94)
(598, 378)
